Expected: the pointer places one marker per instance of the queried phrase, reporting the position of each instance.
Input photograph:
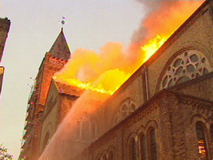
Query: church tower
(53, 61)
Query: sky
(34, 27)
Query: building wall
(57, 106)
(201, 87)
(195, 34)
(50, 117)
(129, 94)
(172, 115)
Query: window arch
(186, 66)
(86, 127)
(133, 149)
(143, 147)
(126, 108)
(46, 140)
(152, 144)
(110, 155)
(201, 139)
(104, 157)
(211, 134)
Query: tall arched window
(110, 155)
(201, 141)
(85, 127)
(211, 132)
(46, 140)
(143, 147)
(133, 149)
(104, 157)
(86, 130)
(152, 144)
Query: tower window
(201, 141)
(46, 140)
(104, 157)
(143, 147)
(211, 132)
(152, 145)
(133, 149)
(110, 156)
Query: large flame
(103, 72)
(106, 71)
(152, 46)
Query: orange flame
(106, 71)
(162, 24)
(102, 72)
(107, 83)
(153, 45)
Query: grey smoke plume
(151, 6)
(160, 18)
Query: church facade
(163, 111)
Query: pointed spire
(60, 48)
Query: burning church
(153, 104)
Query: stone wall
(173, 116)
(195, 34)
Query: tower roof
(60, 48)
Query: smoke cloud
(110, 68)
(161, 20)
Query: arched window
(133, 149)
(78, 129)
(110, 155)
(85, 128)
(46, 140)
(104, 157)
(186, 66)
(93, 128)
(127, 107)
(152, 145)
(202, 149)
(211, 132)
(143, 147)
(85, 135)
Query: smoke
(64, 144)
(161, 18)
(99, 69)
(110, 68)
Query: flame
(107, 83)
(102, 72)
(106, 71)
(162, 23)
(152, 46)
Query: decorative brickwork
(186, 66)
